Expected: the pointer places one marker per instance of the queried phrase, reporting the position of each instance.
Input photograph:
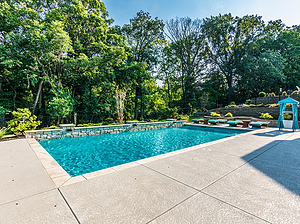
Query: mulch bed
(12, 138)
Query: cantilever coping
(61, 178)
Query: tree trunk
(37, 96)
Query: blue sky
(286, 10)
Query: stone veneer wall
(253, 111)
(272, 99)
(97, 130)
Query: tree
(141, 34)
(227, 38)
(169, 71)
(189, 45)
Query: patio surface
(252, 178)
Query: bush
(287, 117)
(262, 94)
(232, 103)
(51, 127)
(184, 118)
(260, 105)
(284, 93)
(23, 121)
(295, 93)
(174, 113)
(265, 116)
(271, 94)
(252, 105)
(89, 124)
(214, 114)
(248, 102)
(2, 132)
(228, 114)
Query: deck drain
(206, 149)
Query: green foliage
(89, 124)
(184, 118)
(232, 103)
(23, 121)
(228, 114)
(287, 116)
(271, 94)
(265, 116)
(284, 93)
(295, 93)
(262, 94)
(3, 132)
(214, 114)
(173, 113)
(51, 127)
(61, 104)
(248, 102)
(252, 105)
(260, 105)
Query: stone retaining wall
(272, 99)
(97, 130)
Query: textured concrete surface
(252, 178)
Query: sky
(286, 10)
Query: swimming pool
(83, 155)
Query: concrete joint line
(68, 205)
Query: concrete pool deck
(249, 178)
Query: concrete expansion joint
(29, 196)
(68, 205)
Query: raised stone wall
(272, 99)
(97, 130)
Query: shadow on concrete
(273, 133)
(281, 163)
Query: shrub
(295, 93)
(184, 118)
(174, 113)
(262, 94)
(248, 102)
(271, 94)
(89, 124)
(265, 116)
(232, 103)
(214, 114)
(284, 93)
(260, 105)
(287, 117)
(252, 105)
(23, 121)
(2, 132)
(51, 127)
(228, 114)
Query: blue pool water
(91, 153)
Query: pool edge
(61, 178)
